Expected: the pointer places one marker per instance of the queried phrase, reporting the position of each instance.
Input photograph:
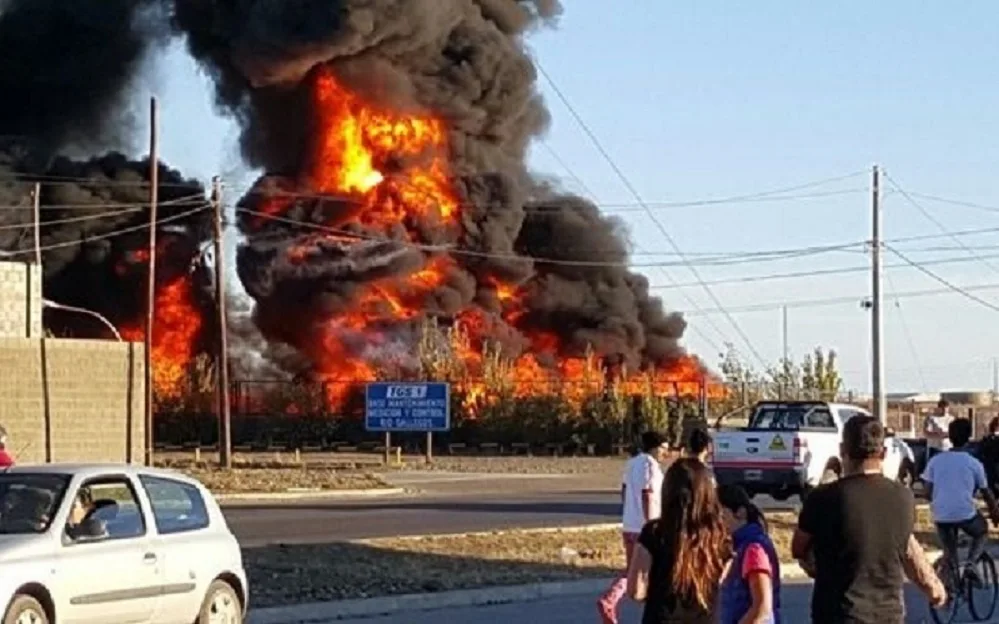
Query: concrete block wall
(85, 404)
(20, 300)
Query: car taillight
(799, 448)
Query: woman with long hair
(680, 558)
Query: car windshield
(28, 502)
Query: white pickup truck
(789, 447)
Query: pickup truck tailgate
(754, 449)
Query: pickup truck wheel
(221, 605)
(25, 610)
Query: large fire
(392, 167)
(176, 326)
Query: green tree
(820, 378)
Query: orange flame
(176, 326)
(392, 167)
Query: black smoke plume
(466, 61)
(65, 74)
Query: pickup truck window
(792, 417)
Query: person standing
(699, 446)
(641, 497)
(935, 429)
(988, 454)
(750, 591)
(854, 537)
(680, 558)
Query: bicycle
(961, 588)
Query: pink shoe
(607, 611)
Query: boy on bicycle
(952, 479)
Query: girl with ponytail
(680, 557)
(750, 592)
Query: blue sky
(705, 100)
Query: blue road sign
(407, 406)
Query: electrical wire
(817, 272)
(906, 334)
(943, 229)
(954, 202)
(102, 215)
(634, 192)
(763, 256)
(855, 299)
(957, 289)
(107, 235)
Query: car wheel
(221, 605)
(25, 610)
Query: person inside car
(82, 523)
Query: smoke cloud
(71, 65)
(65, 73)
(465, 61)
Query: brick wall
(94, 411)
(20, 300)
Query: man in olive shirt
(859, 531)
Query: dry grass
(273, 480)
(373, 461)
(388, 566)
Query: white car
(107, 544)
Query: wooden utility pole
(37, 217)
(151, 278)
(224, 413)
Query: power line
(106, 235)
(906, 334)
(634, 192)
(762, 256)
(954, 202)
(936, 222)
(854, 299)
(816, 272)
(961, 291)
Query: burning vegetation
(396, 231)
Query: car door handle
(149, 558)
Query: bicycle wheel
(982, 600)
(948, 612)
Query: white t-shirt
(956, 477)
(937, 422)
(642, 474)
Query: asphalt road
(795, 599)
(446, 504)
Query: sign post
(407, 407)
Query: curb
(576, 528)
(292, 495)
(322, 612)
(328, 612)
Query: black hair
(943, 404)
(993, 425)
(863, 438)
(698, 441)
(734, 498)
(651, 441)
(959, 431)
